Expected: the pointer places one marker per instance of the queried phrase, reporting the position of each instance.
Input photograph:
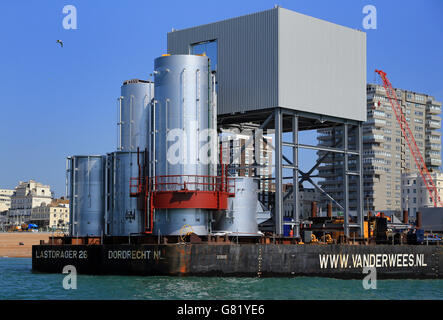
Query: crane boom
(415, 151)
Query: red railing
(191, 183)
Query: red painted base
(214, 200)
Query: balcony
(430, 132)
(376, 122)
(433, 146)
(433, 162)
(373, 169)
(433, 138)
(433, 124)
(373, 138)
(377, 114)
(433, 117)
(433, 109)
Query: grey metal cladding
(322, 67)
(280, 58)
(247, 59)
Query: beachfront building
(5, 199)
(27, 195)
(53, 216)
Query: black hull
(250, 260)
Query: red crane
(415, 151)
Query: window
(419, 98)
(209, 48)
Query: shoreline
(10, 247)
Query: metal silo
(86, 193)
(183, 145)
(125, 213)
(241, 216)
(134, 114)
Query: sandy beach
(9, 243)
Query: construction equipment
(327, 239)
(415, 151)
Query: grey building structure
(288, 72)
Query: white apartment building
(250, 158)
(415, 195)
(5, 199)
(53, 216)
(27, 195)
(306, 196)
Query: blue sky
(57, 101)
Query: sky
(56, 102)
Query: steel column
(278, 210)
(345, 181)
(360, 203)
(296, 210)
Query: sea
(19, 282)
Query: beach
(10, 247)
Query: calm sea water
(17, 281)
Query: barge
(223, 256)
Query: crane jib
(413, 148)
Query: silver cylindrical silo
(183, 145)
(125, 213)
(241, 216)
(86, 193)
(134, 114)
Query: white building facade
(27, 195)
(54, 216)
(415, 195)
(5, 199)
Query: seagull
(61, 43)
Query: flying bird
(61, 43)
